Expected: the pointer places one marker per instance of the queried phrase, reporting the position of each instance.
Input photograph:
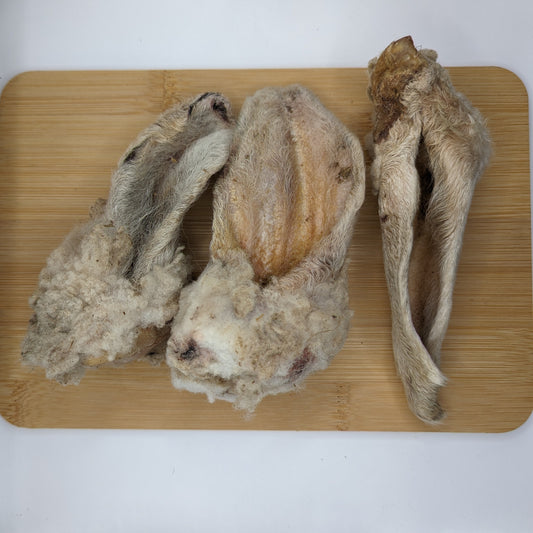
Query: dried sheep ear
(109, 291)
(430, 148)
(272, 304)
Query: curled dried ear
(316, 194)
(184, 181)
(164, 171)
(108, 293)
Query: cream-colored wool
(430, 148)
(272, 304)
(110, 290)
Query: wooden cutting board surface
(61, 135)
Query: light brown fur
(430, 148)
(272, 304)
(109, 292)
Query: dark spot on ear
(425, 177)
(199, 99)
(220, 108)
(130, 156)
(133, 153)
(263, 281)
(300, 364)
(202, 96)
(389, 112)
(190, 353)
(344, 174)
(384, 218)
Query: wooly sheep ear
(430, 148)
(108, 293)
(272, 304)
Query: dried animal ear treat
(110, 290)
(272, 304)
(430, 148)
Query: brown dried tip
(393, 70)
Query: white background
(187, 481)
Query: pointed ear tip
(407, 39)
(405, 42)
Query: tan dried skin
(430, 148)
(109, 292)
(272, 304)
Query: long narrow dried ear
(426, 168)
(398, 196)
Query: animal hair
(109, 292)
(272, 304)
(430, 147)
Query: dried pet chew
(272, 304)
(110, 290)
(430, 148)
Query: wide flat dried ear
(334, 180)
(425, 168)
(326, 258)
(272, 304)
(294, 184)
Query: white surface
(186, 481)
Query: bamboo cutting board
(61, 134)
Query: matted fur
(272, 304)
(430, 148)
(109, 291)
